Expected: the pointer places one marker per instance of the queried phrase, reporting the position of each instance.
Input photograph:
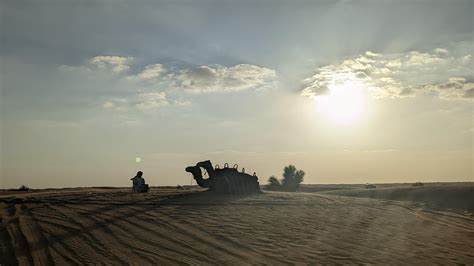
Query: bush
(23, 188)
(418, 184)
(290, 182)
(273, 183)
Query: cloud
(456, 87)
(116, 104)
(466, 59)
(147, 101)
(215, 78)
(156, 85)
(114, 63)
(416, 58)
(151, 100)
(443, 72)
(108, 105)
(441, 51)
(220, 78)
(150, 72)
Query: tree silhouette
(290, 182)
(273, 183)
(292, 178)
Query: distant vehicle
(418, 184)
(369, 186)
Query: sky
(348, 91)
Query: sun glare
(344, 104)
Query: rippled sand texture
(115, 226)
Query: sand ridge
(170, 226)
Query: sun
(344, 103)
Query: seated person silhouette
(139, 185)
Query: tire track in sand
(19, 243)
(142, 231)
(7, 254)
(188, 232)
(34, 236)
(90, 244)
(113, 223)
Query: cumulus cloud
(215, 78)
(203, 79)
(220, 78)
(445, 73)
(466, 59)
(114, 63)
(456, 87)
(155, 86)
(150, 72)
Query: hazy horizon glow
(349, 92)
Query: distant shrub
(23, 188)
(292, 178)
(418, 184)
(273, 184)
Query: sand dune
(452, 197)
(165, 226)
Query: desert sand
(174, 226)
